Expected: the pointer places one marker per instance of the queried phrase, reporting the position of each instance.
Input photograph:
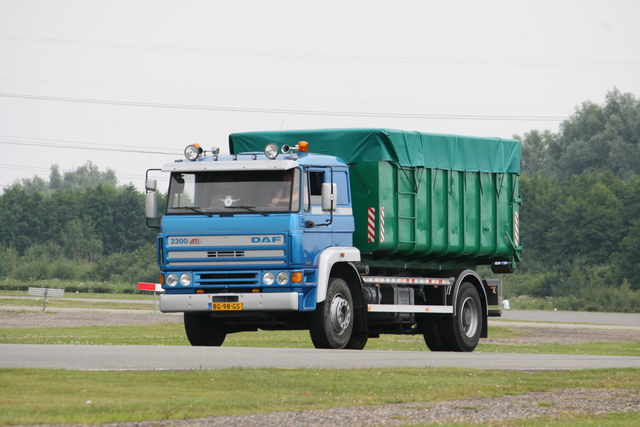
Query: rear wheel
(431, 329)
(462, 332)
(332, 321)
(203, 330)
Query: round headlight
(282, 278)
(268, 278)
(172, 279)
(185, 279)
(271, 151)
(192, 152)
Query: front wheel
(332, 321)
(203, 330)
(462, 332)
(357, 341)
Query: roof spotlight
(271, 151)
(192, 152)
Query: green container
(421, 200)
(432, 218)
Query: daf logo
(228, 201)
(266, 239)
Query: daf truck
(347, 233)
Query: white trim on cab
(328, 258)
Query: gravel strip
(566, 336)
(564, 404)
(52, 319)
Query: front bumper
(281, 301)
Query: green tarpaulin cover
(406, 148)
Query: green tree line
(580, 217)
(76, 226)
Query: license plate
(225, 306)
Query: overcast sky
(128, 84)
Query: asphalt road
(95, 357)
(629, 319)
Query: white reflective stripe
(408, 280)
(317, 210)
(391, 308)
(240, 262)
(277, 253)
(229, 165)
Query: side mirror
(151, 185)
(150, 199)
(151, 205)
(329, 196)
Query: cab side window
(340, 178)
(313, 195)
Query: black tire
(431, 329)
(462, 332)
(203, 330)
(331, 323)
(357, 341)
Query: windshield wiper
(195, 209)
(249, 208)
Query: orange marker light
(303, 147)
(296, 277)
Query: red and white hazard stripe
(371, 227)
(153, 287)
(516, 229)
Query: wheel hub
(469, 317)
(340, 314)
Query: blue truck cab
(245, 238)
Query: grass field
(48, 396)
(37, 396)
(80, 300)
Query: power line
(284, 111)
(28, 168)
(60, 143)
(75, 145)
(269, 97)
(445, 61)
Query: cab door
(318, 227)
(328, 229)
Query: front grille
(225, 254)
(228, 279)
(235, 257)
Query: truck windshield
(234, 192)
